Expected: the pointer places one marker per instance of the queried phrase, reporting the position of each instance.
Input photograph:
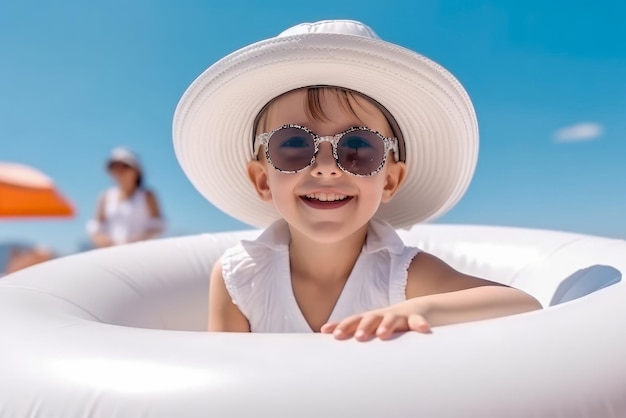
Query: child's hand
(381, 323)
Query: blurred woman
(127, 212)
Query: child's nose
(325, 164)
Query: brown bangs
(313, 106)
(346, 98)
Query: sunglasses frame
(390, 144)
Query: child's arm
(223, 313)
(436, 295)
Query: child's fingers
(376, 324)
(366, 328)
(391, 323)
(346, 328)
(328, 327)
(418, 323)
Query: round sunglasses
(359, 151)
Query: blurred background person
(14, 257)
(26, 193)
(128, 211)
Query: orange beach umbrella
(27, 192)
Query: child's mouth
(326, 200)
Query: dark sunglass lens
(291, 149)
(360, 152)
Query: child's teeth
(326, 197)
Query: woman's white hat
(125, 156)
(213, 122)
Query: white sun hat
(213, 122)
(124, 155)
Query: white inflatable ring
(119, 332)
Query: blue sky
(548, 80)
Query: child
(331, 138)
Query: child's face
(322, 201)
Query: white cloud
(579, 132)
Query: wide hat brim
(213, 122)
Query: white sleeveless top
(127, 218)
(258, 278)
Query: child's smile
(326, 200)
